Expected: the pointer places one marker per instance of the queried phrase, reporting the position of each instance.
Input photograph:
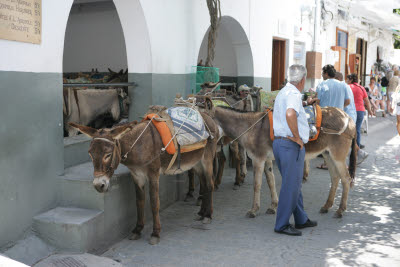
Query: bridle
(116, 154)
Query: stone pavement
(368, 234)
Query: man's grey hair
(296, 73)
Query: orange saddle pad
(318, 121)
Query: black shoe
(308, 223)
(289, 230)
(361, 146)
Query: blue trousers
(360, 117)
(290, 161)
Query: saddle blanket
(188, 125)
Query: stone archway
(109, 34)
(233, 55)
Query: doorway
(278, 63)
(362, 50)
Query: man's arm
(346, 96)
(291, 119)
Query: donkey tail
(353, 161)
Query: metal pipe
(98, 84)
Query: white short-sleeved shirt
(290, 97)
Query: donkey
(252, 131)
(139, 147)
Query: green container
(200, 75)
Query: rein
(248, 129)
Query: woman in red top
(360, 98)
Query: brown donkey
(337, 136)
(146, 162)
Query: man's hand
(297, 140)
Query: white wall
(225, 58)
(94, 39)
(44, 57)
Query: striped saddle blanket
(188, 125)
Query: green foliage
(397, 36)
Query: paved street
(368, 234)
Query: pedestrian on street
(351, 108)
(396, 106)
(331, 93)
(393, 83)
(360, 98)
(291, 133)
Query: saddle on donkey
(314, 118)
(182, 129)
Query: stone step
(76, 150)
(76, 188)
(71, 229)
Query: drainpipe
(317, 23)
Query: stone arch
(233, 53)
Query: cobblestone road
(367, 235)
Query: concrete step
(71, 229)
(119, 203)
(76, 150)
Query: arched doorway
(233, 54)
(102, 35)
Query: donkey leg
(243, 163)
(155, 208)
(306, 171)
(334, 183)
(140, 200)
(269, 174)
(235, 149)
(258, 170)
(345, 179)
(189, 195)
(206, 208)
(221, 166)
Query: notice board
(21, 20)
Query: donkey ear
(209, 103)
(118, 132)
(110, 70)
(126, 72)
(121, 72)
(89, 131)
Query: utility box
(314, 64)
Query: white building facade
(159, 42)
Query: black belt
(281, 137)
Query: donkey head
(105, 152)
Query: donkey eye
(107, 156)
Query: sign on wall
(21, 20)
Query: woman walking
(360, 98)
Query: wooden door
(278, 64)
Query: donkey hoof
(305, 180)
(323, 210)
(270, 211)
(198, 202)
(189, 198)
(338, 215)
(135, 236)
(198, 218)
(236, 187)
(215, 187)
(251, 214)
(206, 220)
(154, 240)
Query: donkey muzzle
(101, 184)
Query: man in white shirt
(291, 133)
